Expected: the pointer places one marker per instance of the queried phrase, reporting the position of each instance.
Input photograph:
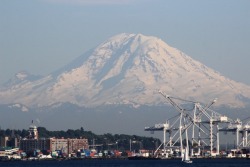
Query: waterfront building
(8, 151)
(66, 146)
(59, 144)
(75, 145)
(30, 145)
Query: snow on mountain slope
(20, 77)
(129, 69)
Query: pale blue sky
(40, 36)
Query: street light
(116, 145)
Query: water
(131, 163)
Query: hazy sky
(40, 36)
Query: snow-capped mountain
(128, 69)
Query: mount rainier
(126, 69)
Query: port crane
(206, 127)
(185, 121)
(166, 128)
(175, 129)
(237, 127)
(201, 116)
(213, 119)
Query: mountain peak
(129, 69)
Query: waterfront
(131, 163)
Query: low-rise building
(59, 144)
(77, 144)
(66, 146)
(8, 151)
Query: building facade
(59, 144)
(77, 144)
(30, 145)
(66, 146)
